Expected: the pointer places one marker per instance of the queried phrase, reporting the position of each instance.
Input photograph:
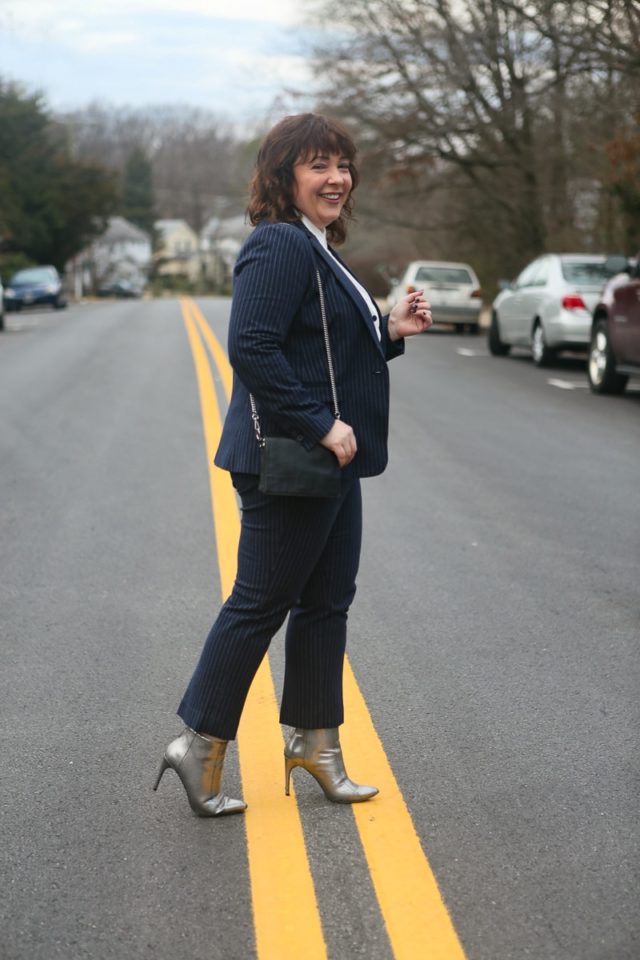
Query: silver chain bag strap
(286, 467)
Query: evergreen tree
(51, 205)
(137, 190)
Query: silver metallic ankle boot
(319, 753)
(198, 760)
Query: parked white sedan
(452, 289)
(548, 307)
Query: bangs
(324, 138)
(313, 135)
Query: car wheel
(497, 347)
(601, 366)
(473, 329)
(2, 321)
(541, 352)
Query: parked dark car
(614, 354)
(123, 289)
(34, 286)
(1, 305)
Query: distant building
(220, 242)
(177, 250)
(585, 195)
(122, 254)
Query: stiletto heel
(163, 766)
(320, 754)
(289, 764)
(198, 761)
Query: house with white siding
(122, 254)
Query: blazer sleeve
(272, 280)
(392, 348)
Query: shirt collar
(320, 235)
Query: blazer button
(300, 438)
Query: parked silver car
(452, 289)
(548, 307)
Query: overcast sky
(231, 56)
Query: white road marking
(466, 352)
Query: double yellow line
(285, 905)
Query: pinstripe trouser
(296, 555)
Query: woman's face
(322, 184)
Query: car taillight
(476, 293)
(573, 301)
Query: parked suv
(452, 289)
(614, 354)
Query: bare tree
(192, 152)
(600, 115)
(598, 32)
(470, 106)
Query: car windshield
(443, 275)
(34, 275)
(587, 273)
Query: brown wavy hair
(292, 139)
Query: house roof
(167, 226)
(120, 229)
(237, 227)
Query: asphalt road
(494, 636)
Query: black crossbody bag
(286, 468)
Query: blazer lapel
(346, 285)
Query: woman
(296, 555)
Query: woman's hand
(411, 315)
(341, 440)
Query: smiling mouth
(331, 196)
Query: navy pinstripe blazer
(276, 349)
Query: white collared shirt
(321, 237)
